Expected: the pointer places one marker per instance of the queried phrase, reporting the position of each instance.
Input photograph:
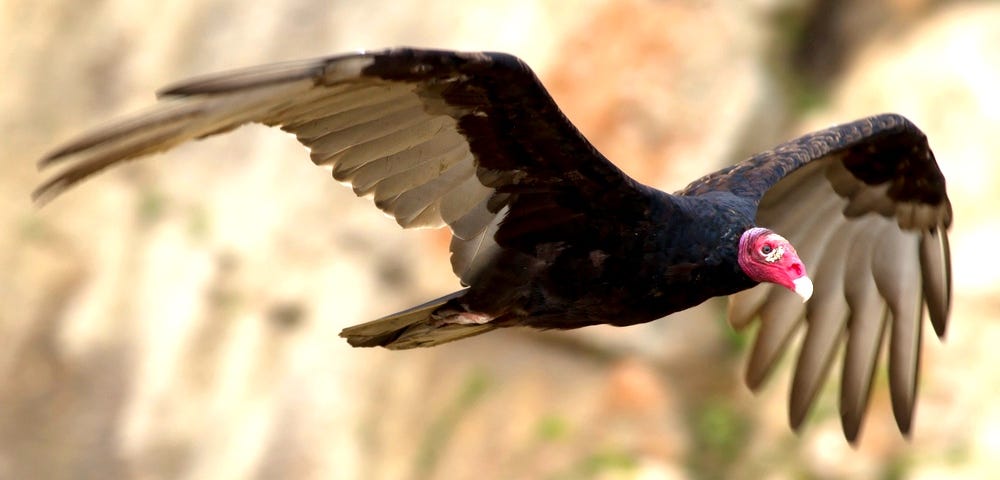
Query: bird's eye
(766, 249)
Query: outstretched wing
(865, 205)
(434, 137)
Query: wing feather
(865, 329)
(781, 307)
(364, 176)
(826, 316)
(865, 205)
(337, 99)
(471, 256)
(389, 189)
(336, 141)
(462, 201)
(869, 199)
(935, 268)
(426, 133)
(898, 280)
(780, 315)
(158, 130)
(475, 221)
(412, 201)
(744, 306)
(380, 113)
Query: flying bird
(548, 233)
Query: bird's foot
(462, 318)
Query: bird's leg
(453, 317)
(470, 318)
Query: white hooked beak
(803, 287)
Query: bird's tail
(412, 328)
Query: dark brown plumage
(548, 233)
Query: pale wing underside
(382, 137)
(871, 277)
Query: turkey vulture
(548, 233)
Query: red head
(766, 256)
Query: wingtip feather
(780, 317)
(46, 192)
(935, 262)
(246, 78)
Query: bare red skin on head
(766, 256)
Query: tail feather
(412, 328)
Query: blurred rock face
(178, 317)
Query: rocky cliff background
(178, 317)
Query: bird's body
(669, 260)
(548, 233)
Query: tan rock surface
(178, 318)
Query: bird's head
(766, 256)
